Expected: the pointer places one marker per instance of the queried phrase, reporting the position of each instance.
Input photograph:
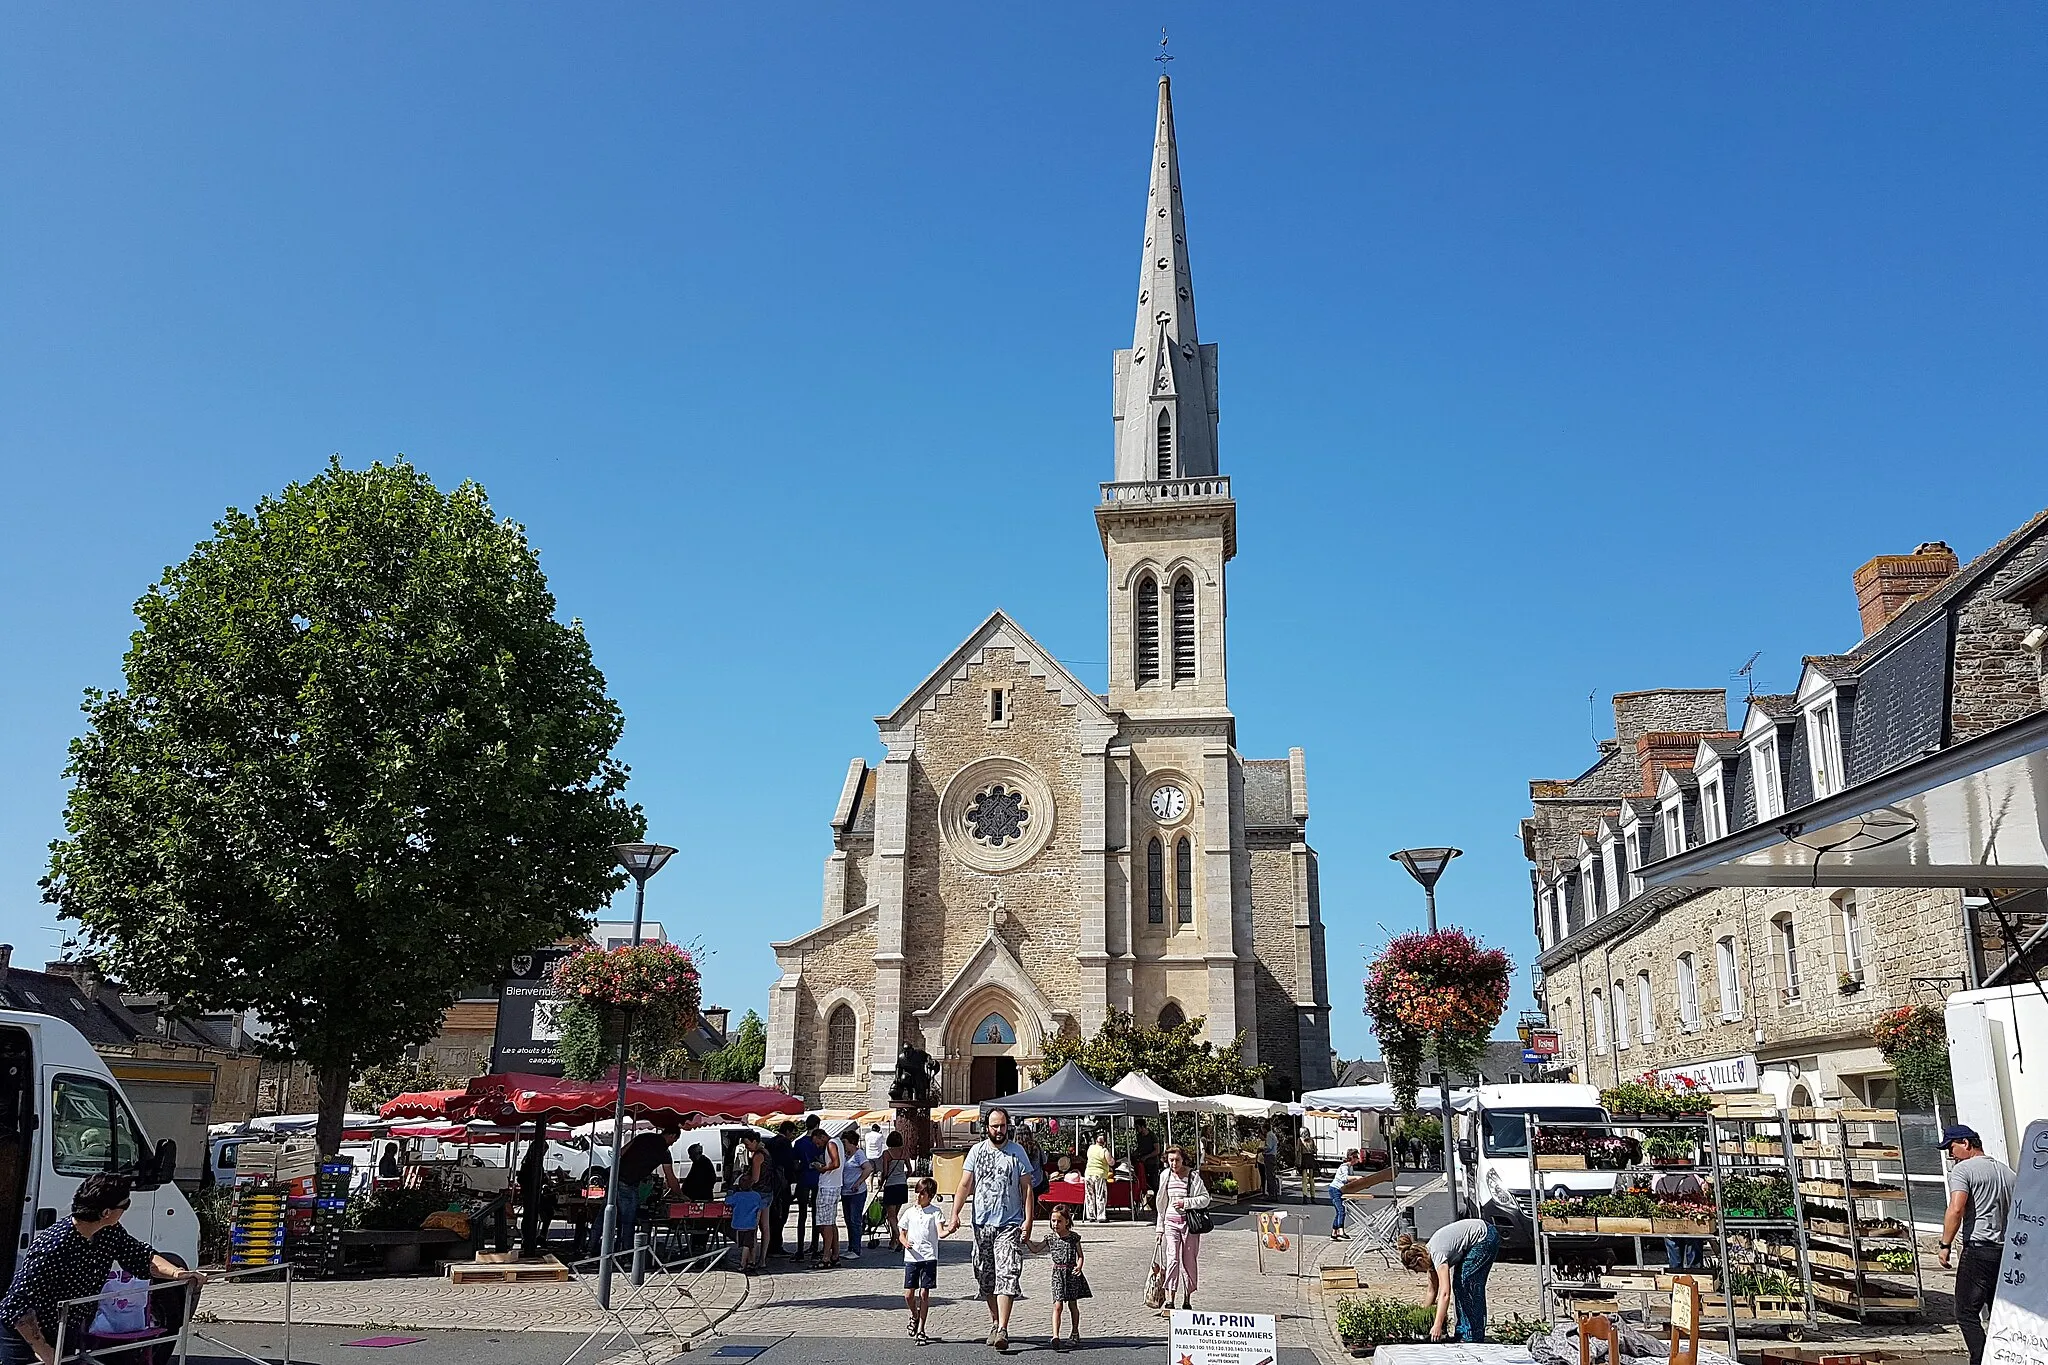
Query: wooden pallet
(543, 1270)
(1847, 1296)
(1340, 1277)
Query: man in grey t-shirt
(1980, 1190)
(995, 1189)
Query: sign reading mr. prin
(1223, 1339)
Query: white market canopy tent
(1245, 1107)
(1379, 1099)
(1139, 1086)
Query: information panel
(2019, 1314)
(1223, 1338)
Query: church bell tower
(1168, 524)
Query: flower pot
(1561, 1161)
(1551, 1223)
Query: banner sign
(1729, 1073)
(1223, 1339)
(528, 1027)
(1544, 1042)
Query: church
(1029, 855)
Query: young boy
(918, 1229)
(747, 1205)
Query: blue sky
(1565, 350)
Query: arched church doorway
(993, 1069)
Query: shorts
(999, 1259)
(743, 1236)
(893, 1195)
(920, 1274)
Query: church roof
(998, 632)
(1268, 801)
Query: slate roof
(1615, 774)
(101, 1017)
(1268, 800)
(1776, 705)
(863, 821)
(1834, 667)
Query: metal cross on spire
(1164, 56)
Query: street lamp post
(641, 861)
(1426, 865)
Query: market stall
(1071, 1093)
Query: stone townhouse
(1778, 988)
(1029, 855)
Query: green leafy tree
(386, 1081)
(745, 1054)
(1174, 1056)
(357, 764)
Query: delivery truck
(1998, 1054)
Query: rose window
(998, 816)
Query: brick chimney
(1888, 583)
(1661, 749)
(6, 960)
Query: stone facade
(1949, 653)
(1028, 855)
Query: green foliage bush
(1373, 1319)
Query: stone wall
(837, 965)
(1997, 681)
(945, 915)
(1274, 900)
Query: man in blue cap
(1979, 1192)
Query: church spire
(1166, 381)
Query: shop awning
(513, 1097)
(1972, 815)
(426, 1104)
(1247, 1108)
(1379, 1099)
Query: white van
(1493, 1151)
(63, 1118)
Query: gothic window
(840, 1035)
(1148, 629)
(1184, 628)
(1184, 881)
(998, 816)
(995, 1031)
(1165, 447)
(1155, 883)
(1172, 1016)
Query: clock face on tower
(1169, 802)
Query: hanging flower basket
(1914, 1039)
(1440, 992)
(634, 980)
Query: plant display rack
(1852, 1169)
(1727, 1147)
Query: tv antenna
(1748, 674)
(1593, 718)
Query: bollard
(639, 1259)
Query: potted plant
(1566, 1215)
(1613, 1153)
(1561, 1151)
(1439, 992)
(1850, 982)
(1624, 1214)
(1682, 1218)
(1372, 1320)
(1668, 1148)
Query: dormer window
(1564, 927)
(1712, 824)
(1770, 790)
(1610, 857)
(1674, 830)
(1823, 731)
(1636, 859)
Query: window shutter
(1155, 883)
(1184, 628)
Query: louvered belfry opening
(1184, 628)
(1148, 629)
(1184, 881)
(1165, 466)
(1155, 883)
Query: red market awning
(513, 1098)
(472, 1133)
(426, 1104)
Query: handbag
(1198, 1221)
(1077, 1287)
(1155, 1287)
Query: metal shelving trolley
(1853, 1183)
(1575, 1266)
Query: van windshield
(1506, 1131)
